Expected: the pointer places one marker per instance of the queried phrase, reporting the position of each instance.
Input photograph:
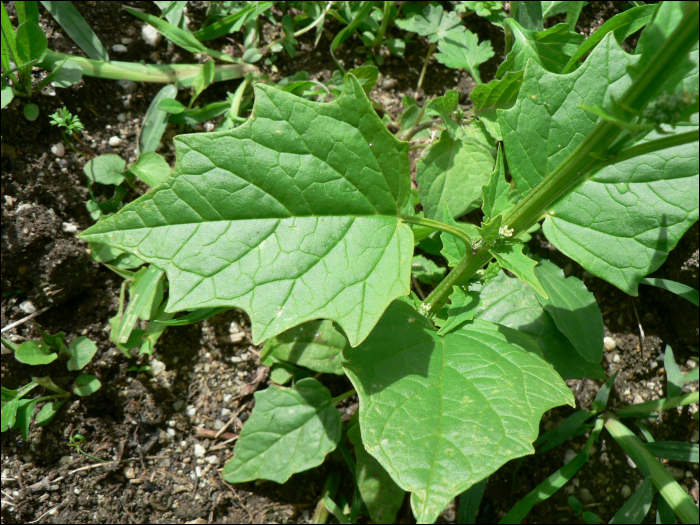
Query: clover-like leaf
(291, 430)
(442, 413)
(620, 224)
(292, 216)
(460, 48)
(433, 23)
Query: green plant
(305, 212)
(69, 125)
(77, 441)
(673, 501)
(17, 412)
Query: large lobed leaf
(292, 216)
(441, 413)
(621, 224)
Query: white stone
(191, 411)
(199, 450)
(150, 35)
(157, 367)
(198, 471)
(616, 358)
(212, 460)
(225, 412)
(610, 344)
(586, 496)
(27, 307)
(69, 227)
(119, 48)
(209, 126)
(114, 141)
(126, 40)
(121, 117)
(625, 491)
(129, 472)
(58, 149)
(127, 85)
(691, 363)
(637, 399)
(569, 455)
(695, 437)
(171, 432)
(217, 424)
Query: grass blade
(156, 121)
(637, 507)
(469, 502)
(545, 489)
(77, 28)
(686, 292)
(675, 450)
(232, 22)
(657, 405)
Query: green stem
(385, 23)
(679, 501)
(431, 50)
(471, 263)
(344, 396)
(183, 74)
(578, 166)
(437, 225)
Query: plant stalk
(344, 396)
(578, 166)
(437, 225)
(431, 50)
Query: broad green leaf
(31, 112)
(550, 49)
(622, 25)
(381, 495)
(497, 94)
(426, 271)
(528, 14)
(106, 169)
(620, 224)
(496, 192)
(81, 351)
(637, 507)
(512, 303)
(7, 95)
(155, 121)
(553, 8)
(511, 257)
(9, 414)
(292, 216)
(290, 430)
(281, 373)
(460, 48)
(25, 411)
(316, 345)
(462, 308)
(442, 413)
(443, 107)
(433, 23)
(77, 28)
(452, 171)
(680, 289)
(574, 310)
(35, 353)
(31, 42)
(151, 168)
(86, 384)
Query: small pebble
(114, 141)
(610, 344)
(150, 35)
(569, 455)
(199, 450)
(198, 471)
(217, 424)
(212, 460)
(126, 40)
(209, 126)
(27, 307)
(631, 463)
(127, 85)
(119, 48)
(688, 474)
(637, 399)
(690, 363)
(58, 149)
(625, 491)
(225, 412)
(677, 473)
(177, 405)
(121, 117)
(129, 472)
(695, 437)
(586, 496)
(651, 385)
(616, 358)
(69, 227)
(191, 411)
(157, 367)
(171, 432)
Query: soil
(155, 430)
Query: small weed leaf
(81, 351)
(302, 419)
(86, 384)
(292, 216)
(35, 353)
